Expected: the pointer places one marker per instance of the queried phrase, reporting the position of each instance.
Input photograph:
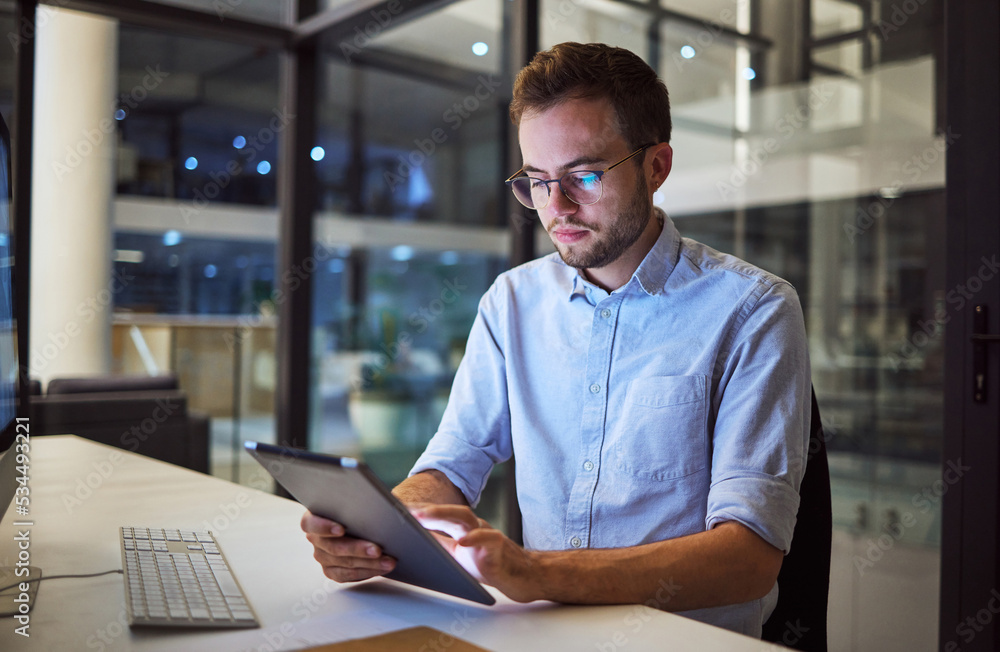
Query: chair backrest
(799, 618)
(106, 384)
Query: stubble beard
(621, 234)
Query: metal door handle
(980, 338)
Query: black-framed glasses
(583, 187)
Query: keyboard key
(227, 583)
(180, 577)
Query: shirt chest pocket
(662, 432)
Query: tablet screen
(344, 490)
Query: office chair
(799, 618)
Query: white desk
(76, 512)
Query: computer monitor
(8, 325)
(13, 458)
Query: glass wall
(825, 165)
(208, 131)
(195, 227)
(409, 174)
(7, 25)
(818, 156)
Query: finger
(345, 546)
(480, 537)
(454, 513)
(313, 524)
(446, 542)
(453, 528)
(351, 574)
(381, 564)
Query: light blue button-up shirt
(676, 402)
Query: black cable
(58, 577)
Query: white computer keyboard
(180, 578)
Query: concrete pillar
(72, 292)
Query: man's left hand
(484, 551)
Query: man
(654, 392)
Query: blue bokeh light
(171, 238)
(401, 253)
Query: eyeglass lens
(582, 188)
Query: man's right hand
(343, 558)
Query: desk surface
(81, 492)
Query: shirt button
(575, 542)
(606, 313)
(588, 466)
(595, 389)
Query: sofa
(144, 414)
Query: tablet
(345, 490)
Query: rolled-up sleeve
(761, 432)
(474, 434)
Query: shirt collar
(654, 269)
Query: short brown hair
(571, 71)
